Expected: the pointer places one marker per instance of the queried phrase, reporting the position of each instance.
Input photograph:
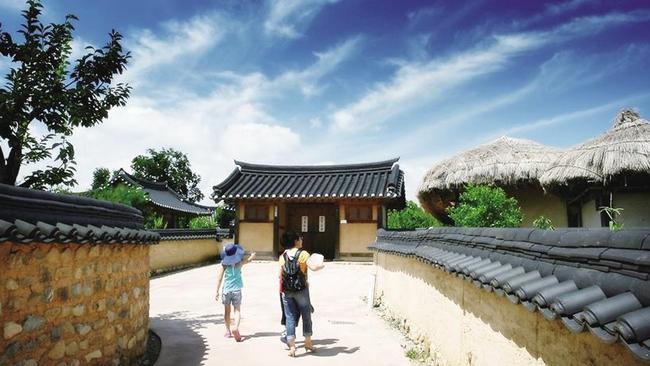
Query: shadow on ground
(322, 349)
(181, 342)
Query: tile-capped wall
(73, 303)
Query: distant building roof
(379, 180)
(161, 195)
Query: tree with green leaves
(101, 178)
(44, 86)
(171, 166)
(410, 217)
(486, 206)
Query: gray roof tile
(358, 181)
(590, 279)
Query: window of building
(359, 213)
(256, 213)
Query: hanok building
(337, 208)
(164, 201)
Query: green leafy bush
(613, 214)
(410, 217)
(485, 206)
(154, 222)
(134, 197)
(203, 222)
(543, 223)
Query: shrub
(613, 214)
(154, 222)
(203, 222)
(543, 223)
(410, 217)
(485, 206)
(130, 196)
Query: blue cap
(232, 254)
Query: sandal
(292, 351)
(227, 334)
(235, 333)
(310, 347)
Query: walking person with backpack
(294, 267)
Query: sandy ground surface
(190, 322)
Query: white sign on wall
(321, 224)
(305, 224)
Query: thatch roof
(623, 149)
(505, 161)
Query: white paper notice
(321, 224)
(305, 224)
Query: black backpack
(293, 280)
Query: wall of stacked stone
(73, 303)
(74, 280)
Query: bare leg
(292, 348)
(237, 316)
(226, 316)
(309, 346)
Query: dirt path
(189, 321)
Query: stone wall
(72, 304)
(175, 254)
(465, 325)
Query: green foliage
(543, 223)
(123, 194)
(613, 214)
(101, 178)
(410, 217)
(203, 222)
(154, 222)
(486, 206)
(221, 218)
(44, 86)
(171, 166)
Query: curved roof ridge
(144, 182)
(261, 168)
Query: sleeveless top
(232, 280)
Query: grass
(416, 354)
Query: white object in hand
(315, 260)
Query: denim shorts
(231, 298)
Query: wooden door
(318, 224)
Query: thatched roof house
(623, 149)
(514, 164)
(612, 169)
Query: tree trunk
(10, 167)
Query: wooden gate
(319, 226)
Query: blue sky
(326, 81)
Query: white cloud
(327, 61)
(417, 83)
(568, 117)
(315, 122)
(13, 4)
(180, 40)
(229, 122)
(286, 17)
(259, 142)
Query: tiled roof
(188, 234)
(27, 215)
(593, 280)
(161, 195)
(360, 181)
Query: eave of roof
(377, 180)
(161, 195)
